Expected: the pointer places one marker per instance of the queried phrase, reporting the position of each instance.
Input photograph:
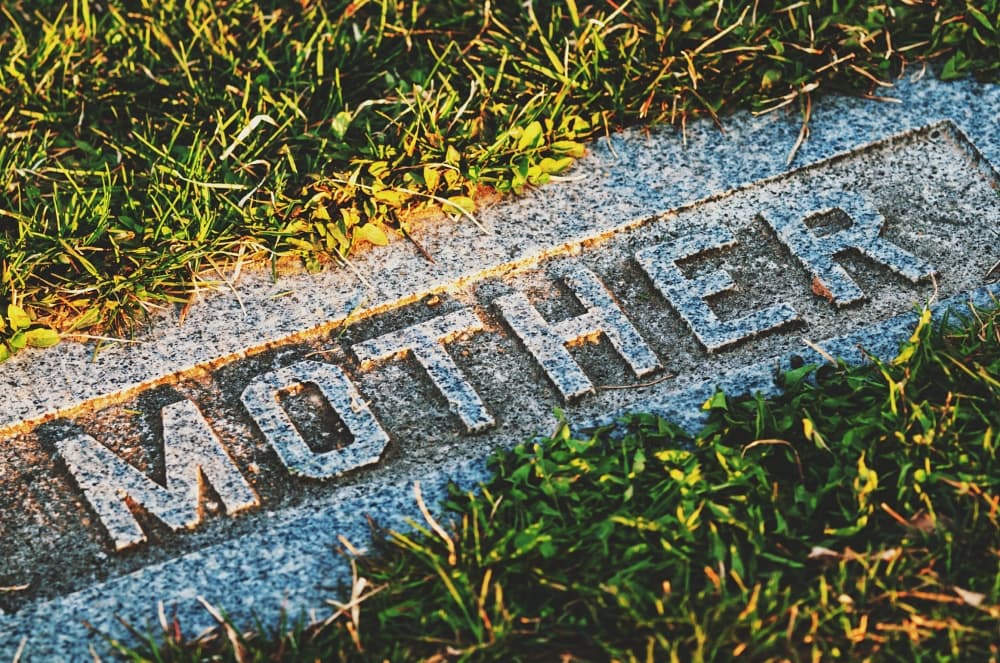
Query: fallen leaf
(819, 552)
(371, 233)
(974, 599)
(820, 290)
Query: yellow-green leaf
(320, 213)
(371, 233)
(41, 337)
(911, 345)
(452, 156)
(979, 16)
(4, 353)
(572, 126)
(432, 177)
(531, 137)
(716, 402)
(391, 197)
(350, 216)
(552, 166)
(18, 318)
(341, 121)
(464, 203)
(300, 243)
(569, 148)
(18, 341)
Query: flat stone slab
(225, 456)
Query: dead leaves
(820, 290)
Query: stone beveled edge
(284, 579)
(353, 306)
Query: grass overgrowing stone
(853, 517)
(150, 147)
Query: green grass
(854, 517)
(148, 147)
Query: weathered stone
(194, 457)
(819, 252)
(547, 342)
(688, 295)
(425, 341)
(260, 400)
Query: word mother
(194, 455)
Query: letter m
(194, 457)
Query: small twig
(834, 63)
(870, 76)
(319, 353)
(357, 597)
(349, 546)
(638, 386)
(452, 556)
(773, 441)
(20, 650)
(246, 131)
(786, 99)
(236, 294)
(465, 106)
(917, 594)
(109, 339)
(239, 650)
(252, 192)
(568, 178)
(934, 295)
(722, 33)
(607, 135)
(803, 132)
(217, 186)
(353, 607)
(820, 351)
(886, 100)
(415, 243)
(994, 269)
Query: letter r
(818, 253)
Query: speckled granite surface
(282, 554)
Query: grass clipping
(853, 517)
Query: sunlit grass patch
(150, 146)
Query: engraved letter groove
(818, 254)
(193, 456)
(425, 341)
(547, 342)
(260, 400)
(688, 296)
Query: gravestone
(226, 456)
